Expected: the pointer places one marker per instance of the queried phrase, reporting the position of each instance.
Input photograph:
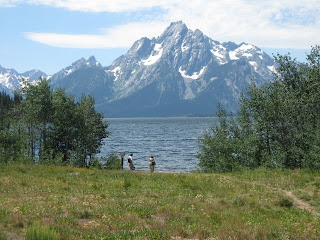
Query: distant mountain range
(180, 73)
(10, 78)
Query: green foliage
(113, 162)
(51, 156)
(222, 148)
(277, 125)
(49, 127)
(39, 232)
(95, 163)
(286, 202)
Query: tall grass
(40, 232)
(75, 203)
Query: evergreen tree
(37, 113)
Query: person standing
(130, 162)
(152, 163)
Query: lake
(172, 141)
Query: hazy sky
(51, 34)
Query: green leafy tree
(219, 145)
(49, 126)
(91, 131)
(64, 129)
(37, 112)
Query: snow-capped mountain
(10, 79)
(189, 56)
(181, 72)
(85, 76)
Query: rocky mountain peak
(34, 74)
(175, 30)
(82, 63)
(85, 62)
(91, 61)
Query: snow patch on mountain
(245, 47)
(272, 68)
(116, 72)
(194, 76)
(139, 45)
(69, 71)
(254, 64)
(184, 48)
(245, 50)
(220, 53)
(232, 55)
(248, 55)
(154, 56)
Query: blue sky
(51, 34)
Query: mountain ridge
(181, 72)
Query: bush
(95, 163)
(113, 162)
(286, 202)
(50, 157)
(39, 232)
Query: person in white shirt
(130, 162)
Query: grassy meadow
(76, 203)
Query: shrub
(95, 163)
(39, 232)
(113, 162)
(286, 202)
(86, 215)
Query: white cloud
(95, 5)
(8, 3)
(122, 36)
(265, 23)
(254, 21)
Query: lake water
(172, 141)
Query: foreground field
(98, 204)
